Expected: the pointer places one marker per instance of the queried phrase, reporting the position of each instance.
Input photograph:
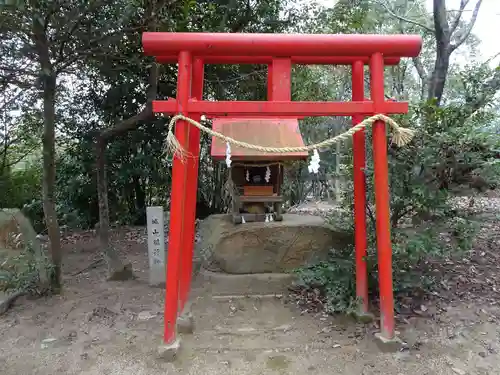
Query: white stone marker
(156, 245)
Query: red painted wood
(240, 48)
(282, 79)
(246, 44)
(280, 108)
(191, 188)
(381, 176)
(359, 163)
(175, 236)
(270, 132)
(301, 60)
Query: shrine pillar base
(364, 316)
(185, 321)
(394, 344)
(169, 352)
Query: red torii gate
(279, 51)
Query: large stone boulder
(278, 246)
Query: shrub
(23, 262)
(413, 256)
(20, 272)
(446, 154)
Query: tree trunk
(140, 201)
(48, 78)
(439, 74)
(129, 197)
(117, 270)
(449, 36)
(49, 178)
(102, 183)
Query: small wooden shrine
(256, 178)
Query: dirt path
(114, 328)
(117, 333)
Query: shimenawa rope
(400, 136)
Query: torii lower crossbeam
(279, 108)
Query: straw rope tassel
(400, 137)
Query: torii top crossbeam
(219, 44)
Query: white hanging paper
(248, 176)
(267, 177)
(267, 218)
(314, 162)
(243, 220)
(228, 155)
(271, 217)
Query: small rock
(491, 349)
(42, 238)
(326, 330)
(285, 328)
(145, 315)
(246, 329)
(47, 342)
(84, 356)
(458, 371)
(335, 346)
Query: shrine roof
(267, 132)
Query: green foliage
(12, 4)
(34, 211)
(334, 280)
(23, 263)
(452, 151)
(414, 254)
(19, 271)
(103, 76)
(19, 186)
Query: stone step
(223, 284)
(265, 313)
(255, 339)
(262, 323)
